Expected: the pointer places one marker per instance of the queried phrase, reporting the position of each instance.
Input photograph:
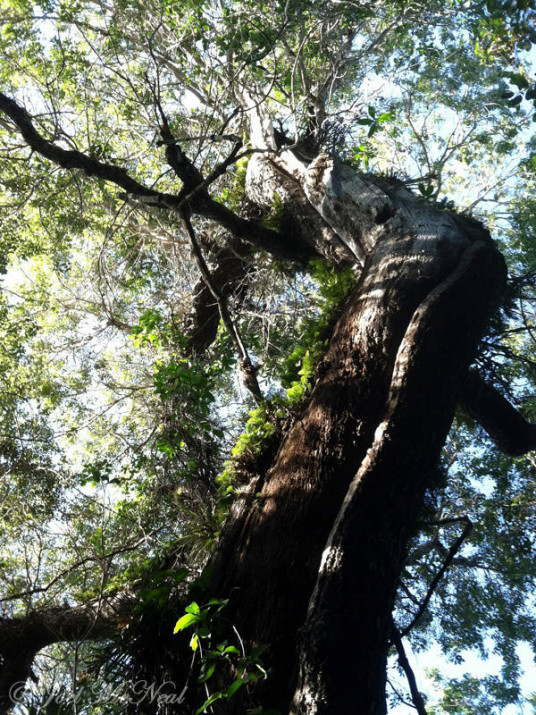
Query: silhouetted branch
(506, 426)
(451, 554)
(416, 697)
(23, 637)
(248, 370)
(282, 247)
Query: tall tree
(172, 167)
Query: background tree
(215, 209)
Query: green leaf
(207, 671)
(234, 687)
(212, 699)
(193, 608)
(385, 117)
(185, 622)
(520, 81)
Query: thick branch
(72, 159)
(22, 638)
(506, 426)
(176, 158)
(282, 247)
(41, 628)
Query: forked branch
(439, 575)
(281, 247)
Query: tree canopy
(164, 313)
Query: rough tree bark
(381, 409)
(311, 552)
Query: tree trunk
(344, 642)
(311, 554)
(381, 408)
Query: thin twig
(248, 370)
